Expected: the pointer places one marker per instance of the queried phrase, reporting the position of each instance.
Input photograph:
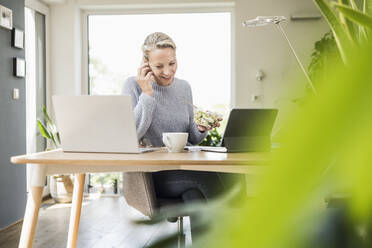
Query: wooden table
(58, 162)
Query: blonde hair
(156, 40)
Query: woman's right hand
(143, 78)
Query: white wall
(265, 48)
(261, 48)
(65, 49)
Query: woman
(162, 104)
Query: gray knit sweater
(165, 111)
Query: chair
(139, 192)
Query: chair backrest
(139, 192)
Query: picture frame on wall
(18, 38)
(6, 18)
(19, 67)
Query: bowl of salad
(207, 119)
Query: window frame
(175, 8)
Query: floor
(105, 222)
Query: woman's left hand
(203, 128)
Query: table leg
(77, 199)
(35, 193)
(31, 216)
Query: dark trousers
(191, 186)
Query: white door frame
(43, 9)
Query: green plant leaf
(53, 140)
(43, 130)
(48, 120)
(49, 130)
(324, 55)
(58, 139)
(363, 32)
(342, 40)
(352, 4)
(367, 7)
(354, 29)
(344, 1)
(355, 15)
(348, 25)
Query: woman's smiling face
(163, 64)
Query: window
(203, 52)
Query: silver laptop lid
(96, 123)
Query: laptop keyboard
(148, 149)
(214, 149)
(206, 148)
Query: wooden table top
(160, 157)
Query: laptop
(97, 124)
(247, 130)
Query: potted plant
(213, 138)
(61, 186)
(350, 24)
(104, 183)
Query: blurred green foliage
(325, 149)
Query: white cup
(175, 142)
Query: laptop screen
(249, 127)
(96, 123)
